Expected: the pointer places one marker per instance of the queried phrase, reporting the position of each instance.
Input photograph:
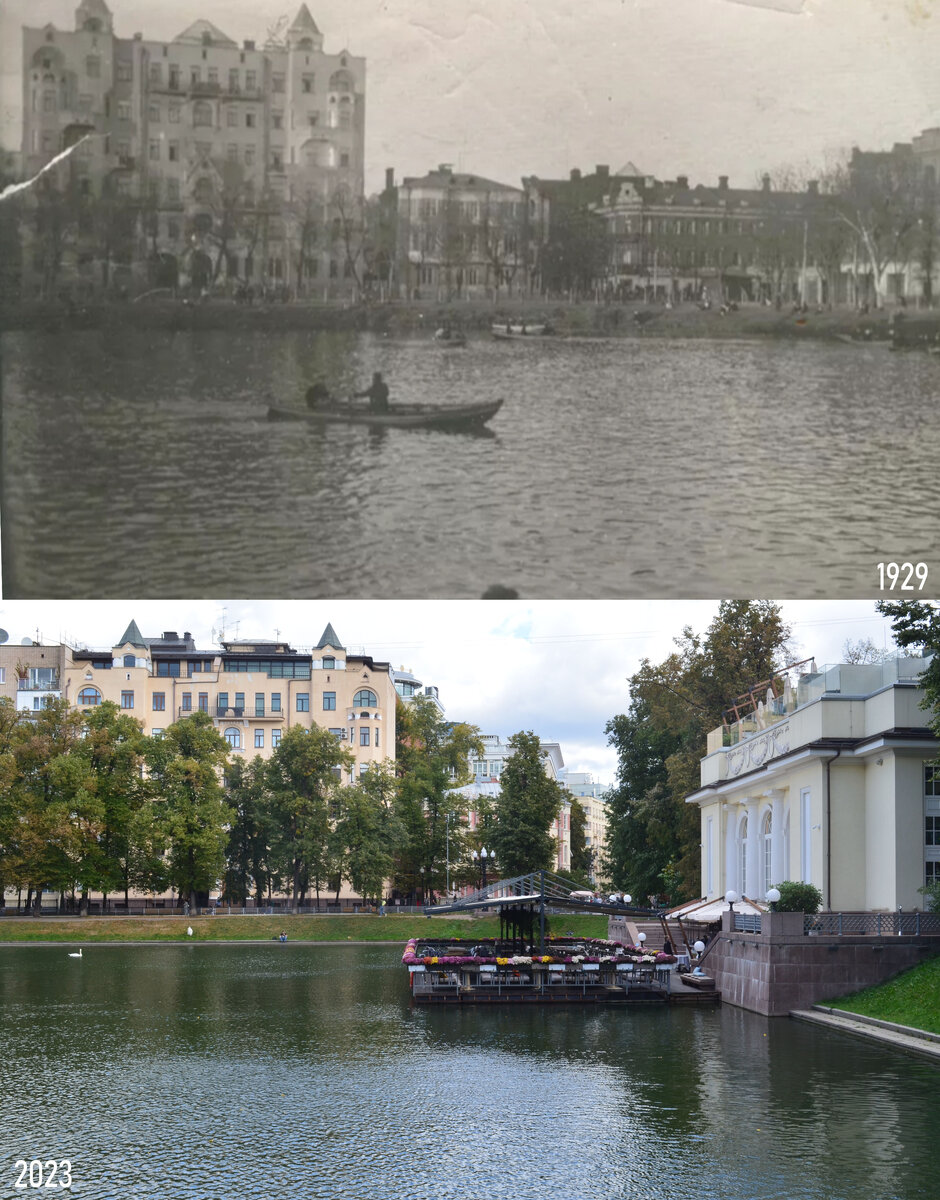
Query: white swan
(72, 953)
(189, 931)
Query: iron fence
(854, 924)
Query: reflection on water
(248, 1072)
(147, 466)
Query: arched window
(203, 191)
(202, 113)
(234, 737)
(365, 699)
(766, 868)
(342, 81)
(89, 695)
(742, 857)
(130, 660)
(329, 662)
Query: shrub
(932, 892)
(798, 897)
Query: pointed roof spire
(133, 637)
(329, 637)
(303, 22)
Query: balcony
(37, 685)
(254, 712)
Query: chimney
(722, 183)
(682, 181)
(138, 37)
(575, 174)
(602, 170)
(249, 45)
(813, 187)
(765, 183)
(389, 178)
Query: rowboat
(449, 339)
(401, 416)
(507, 332)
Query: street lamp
(732, 898)
(772, 895)
(699, 948)
(421, 869)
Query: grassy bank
(420, 319)
(391, 928)
(912, 998)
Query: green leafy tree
(303, 776)
(185, 768)
(527, 804)
(248, 866)
(369, 830)
(662, 738)
(432, 760)
(113, 752)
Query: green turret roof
(133, 637)
(329, 638)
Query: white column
(731, 814)
(752, 849)
(778, 867)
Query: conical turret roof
(329, 638)
(133, 637)
(303, 22)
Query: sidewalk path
(896, 1037)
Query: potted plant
(796, 898)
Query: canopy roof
(711, 910)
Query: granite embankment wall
(782, 968)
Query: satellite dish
(26, 641)
(4, 636)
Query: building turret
(303, 33)
(94, 16)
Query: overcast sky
(558, 668)
(505, 88)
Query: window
(277, 120)
(329, 701)
(363, 768)
(221, 701)
(3, 674)
(259, 704)
(344, 160)
(259, 739)
(195, 74)
(127, 699)
(276, 161)
(123, 110)
(172, 189)
(214, 75)
(364, 735)
(203, 701)
(231, 152)
(275, 702)
(234, 737)
(173, 114)
(129, 660)
(202, 113)
(173, 151)
(277, 82)
(186, 701)
(251, 80)
(303, 701)
(159, 701)
(376, 736)
(249, 156)
(766, 838)
(153, 113)
(249, 120)
(172, 229)
(89, 695)
(233, 79)
(93, 67)
(174, 77)
(275, 738)
(171, 668)
(125, 72)
(231, 117)
(156, 72)
(365, 699)
(931, 823)
(239, 702)
(329, 662)
(307, 83)
(153, 151)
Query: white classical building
(831, 782)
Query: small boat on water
(449, 339)
(400, 416)
(507, 331)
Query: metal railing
(854, 924)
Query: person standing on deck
(377, 394)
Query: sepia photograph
(418, 899)
(402, 299)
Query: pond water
(144, 464)
(242, 1072)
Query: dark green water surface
(165, 1072)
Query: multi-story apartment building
(253, 690)
(235, 161)
(591, 797)
(460, 236)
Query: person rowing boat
(377, 393)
